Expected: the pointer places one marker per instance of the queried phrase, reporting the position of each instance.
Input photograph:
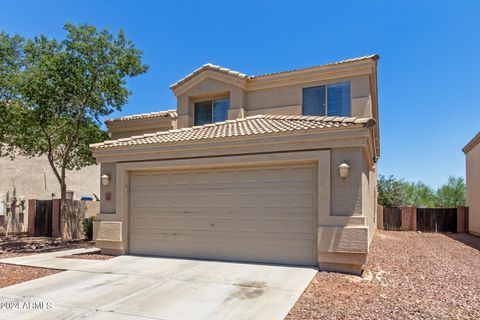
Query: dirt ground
(408, 275)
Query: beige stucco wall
(344, 210)
(473, 189)
(289, 98)
(346, 194)
(285, 99)
(28, 177)
(369, 204)
(109, 169)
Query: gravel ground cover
(408, 275)
(16, 246)
(11, 274)
(96, 255)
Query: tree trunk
(63, 209)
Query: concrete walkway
(52, 260)
(132, 287)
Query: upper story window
(332, 100)
(211, 111)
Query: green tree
(452, 194)
(390, 191)
(54, 93)
(10, 53)
(418, 194)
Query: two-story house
(275, 168)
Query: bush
(88, 227)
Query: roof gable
(214, 69)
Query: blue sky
(429, 68)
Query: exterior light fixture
(343, 170)
(105, 180)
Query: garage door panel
(263, 214)
(160, 201)
(141, 180)
(275, 200)
(247, 176)
(141, 201)
(225, 177)
(201, 178)
(250, 200)
(303, 200)
(224, 199)
(160, 180)
(248, 225)
(179, 179)
(302, 226)
(303, 174)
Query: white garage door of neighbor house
(258, 214)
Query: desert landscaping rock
(97, 255)
(408, 275)
(15, 246)
(12, 274)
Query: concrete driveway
(132, 287)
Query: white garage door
(261, 214)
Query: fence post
(414, 218)
(56, 219)
(409, 218)
(467, 221)
(32, 213)
(379, 217)
(462, 219)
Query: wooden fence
(437, 219)
(392, 219)
(43, 218)
(426, 219)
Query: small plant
(88, 227)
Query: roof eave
(472, 144)
(98, 146)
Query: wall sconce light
(343, 170)
(105, 180)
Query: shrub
(88, 227)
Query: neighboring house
(251, 169)
(33, 178)
(472, 153)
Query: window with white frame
(211, 111)
(332, 100)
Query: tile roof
(167, 113)
(223, 70)
(249, 126)
(369, 57)
(205, 67)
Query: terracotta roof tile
(220, 69)
(250, 126)
(167, 113)
(369, 57)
